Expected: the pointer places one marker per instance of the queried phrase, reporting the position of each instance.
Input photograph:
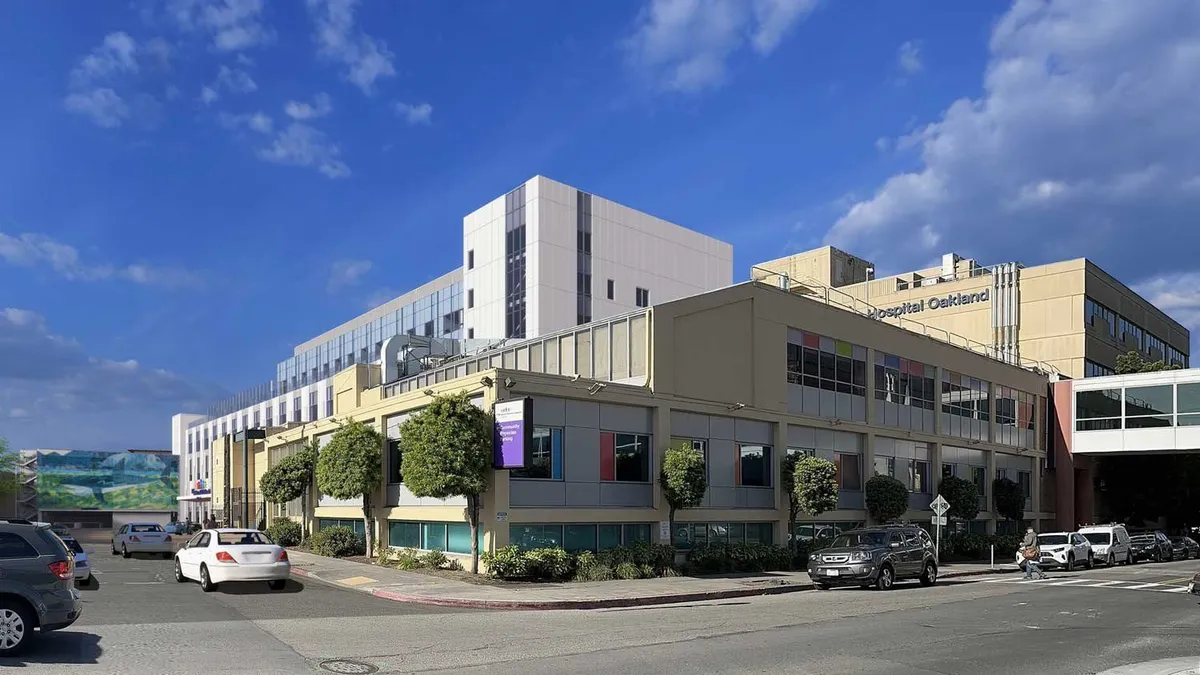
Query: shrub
(659, 557)
(505, 563)
(962, 495)
(454, 565)
(886, 498)
(434, 559)
(628, 570)
(406, 559)
(595, 572)
(553, 564)
(285, 532)
(337, 542)
(1010, 501)
(722, 558)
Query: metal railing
(813, 290)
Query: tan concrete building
(747, 374)
(1068, 317)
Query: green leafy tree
(8, 470)
(814, 487)
(447, 453)
(291, 478)
(1010, 501)
(1133, 362)
(887, 498)
(684, 478)
(349, 467)
(963, 497)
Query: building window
(270, 415)
(395, 461)
(452, 322)
(189, 444)
(224, 429)
(1093, 369)
(470, 298)
(206, 441)
(1149, 407)
(514, 263)
(583, 257)
(624, 457)
(470, 333)
(966, 406)
(753, 468)
(1127, 327)
(575, 537)
(546, 455)
(979, 478)
(312, 405)
(803, 452)
(355, 524)
(471, 259)
(329, 401)
(849, 471)
(257, 420)
(282, 413)
(1093, 310)
(641, 297)
(428, 332)
(1024, 480)
(904, 381)
(689, 535)
(824, 363)
(918, 476)
(885, 466)
(296, 409)
(245, 421)
(1187, 403)
(612, 289)
(949, 470)
(1098, 410)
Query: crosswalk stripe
(1105, 583)
(1180, 589)
(1069, 582)
(1134, 588)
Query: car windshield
(242, 539)
(1052, 539)
(852, 539)
(145, 528)
(73, 544)
(1098, 538)
(1177, 540)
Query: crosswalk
(1078, 582)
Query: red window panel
(608, 457)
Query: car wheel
(16, 627)
(124, 551)
(1071, 562)
(1091, 562)
(886, 578)
(179, 572)
(206, 583)
(114, 549)
(929, 576)
(1111, 562)
(277, 584)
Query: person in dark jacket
(1029, 553)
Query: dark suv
(875, 556)
(1151, 545)
(37, 584)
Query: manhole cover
(348, 666)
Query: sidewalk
(402, 586)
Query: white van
(1110, 543)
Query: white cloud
(259, 122)
(684, 45)
(301, 145)
(365, 58)
(883, 144)
(105, 108)
(298, 110)
(18, 413)
(908, 58)
(1082, 143)
(208, 95)
(347, 273)
(117, 54)
(418, 113)
(233, 80)
(233, 24)
(33, 250)
(1177, 294)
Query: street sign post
(940, 506)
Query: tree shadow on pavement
(64, 647)
(257, 588)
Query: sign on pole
(939, 520)
(940, 506)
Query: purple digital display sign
(513, 433)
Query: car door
(896, 553)
(1081, 547)
(191, 557)
(119, 537)
(913, 552)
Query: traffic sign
(940, 506)
(939, 520)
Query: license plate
(832, 573)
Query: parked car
(133, 538)
(1183, 548)
(1063, 549)
(1110, 543)
(83, 570)
(875, 556)
(37, 589)
(225, 555)
(1153, 545)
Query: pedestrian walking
(1029, 554)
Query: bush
(723, 558)
(658, 557)
(434, 559)
(552, 564)
(337, 542)
(454, 565)
(628, 570)
(406, 559)
(506, 563)
(285, 532)
(886, 498)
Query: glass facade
(583, 247)
(1144, 340)
(905, 391)
(966, 406)
(514, 263)
(688, 535)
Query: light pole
(245, 436)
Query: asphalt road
(140, 621)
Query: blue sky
(193, 186)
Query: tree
(788, 482)
(8, 470)
(1010, 501)
(291, 478)
(684, 479)
(815, 487)
(963, 497)
(349, 467)
(887, 498)
(1133, 362)
(447, 452)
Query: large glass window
(904, 381)
(849, 471)
(624, 457)
(688, 535)
(885, 466)
(754, 466)
(979, 478)
(1015, 410)
(1093, 369)
(395, 458)
(1148, 407)
(966, 406)
(578, 536)
(1187, 400)
(1093, 310)
(1097, 409)
(545, 457)
(918, 476)
(825, 363)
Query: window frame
(647, 458)
(555, 468)
(768, 465)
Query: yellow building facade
(747, 374)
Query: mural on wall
(132, 480)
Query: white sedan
(1063, 549)
(133, 538)
(216, 556)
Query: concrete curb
(602, 603)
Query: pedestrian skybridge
(1138, 413)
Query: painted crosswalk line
(1080, 582)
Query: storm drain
(348, 666)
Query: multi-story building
(1071, 316)
(543, 257)
(747, 374)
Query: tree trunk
(792, 531)
(304, 516)
(473, 519)
(670, 527)
(368, 529)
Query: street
(139, 620)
